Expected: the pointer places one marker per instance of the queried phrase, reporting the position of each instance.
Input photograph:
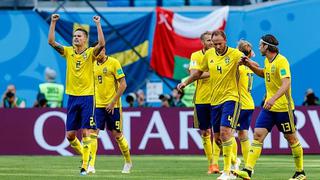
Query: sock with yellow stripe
(227, 153)
(254, 154)
(234, 150)
(297, 153)
(245, 146)
(86, 141)
(124, 148)
(207, 147)
(76, 146)
(216, 152)
(94, 147)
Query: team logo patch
(119, 71)
(227, 60)
(104, 70)
(84, 55)
(283, 72)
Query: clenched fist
(55, 17)
(96, 19)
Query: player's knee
(116, 134)
(71, 136)
(258, 136)
(206, 132)
(225, 133)
(291, 138)
(242, 135)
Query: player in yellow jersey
(247, 103)
(202, 102)
(110, 84)
(222, 64)
(277, 109)
(79, 85)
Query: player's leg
(202, 120)
(286, 124)
(263, 125)
(242, 128)
(73, 124)
(87, 123)
(217, 143)
(114, 124)
(100, 119)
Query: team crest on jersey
(84, 55)
(104, 70)
(227, 60)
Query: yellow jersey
(203, 86)
(106, 84)
(245, 84)
(223, 71)
(274, 72)
(79, 76)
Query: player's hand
(96, 19)
(181, 85)
(268, 104)
(55, 17)
(244, 60)
(110, 107)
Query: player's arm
(286, 83)
(253, 66)
(101, 41)
(195, 75)
(203, 75)
(122, 87)
(51, 37)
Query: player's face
(207, 42)
(262, 48)
(79, 38)
(219, 43)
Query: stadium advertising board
(148, 130)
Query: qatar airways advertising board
(148, 131)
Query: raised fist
(55, 17)
(96, 19)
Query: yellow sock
(76, 145)
(254, 154)
(234, 151)
(216, 152)
(86, 151)
(227, 153)
(207, 147)
(297, 153)
(124, 148)
(245, 146)
(94, 147)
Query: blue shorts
(202, 113)
(225, 114)
(80, 111)
(285, 121)
(113, 121)
(244, 119)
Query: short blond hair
(243, 45)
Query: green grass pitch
(274, 167)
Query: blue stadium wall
(25, 51)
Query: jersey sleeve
(194, 62)
(284, 69)
(118, 70)
(203, 66)
(65, 51)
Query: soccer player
(110, 84)
(79, 85)
(277, 109)
(222, 64)
(202, 102)
(247, 104)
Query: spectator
(10, 100)
(310, 99)
(41, 101)
(51, 91)
(177, 98)
(187, 98)
(166, 100)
